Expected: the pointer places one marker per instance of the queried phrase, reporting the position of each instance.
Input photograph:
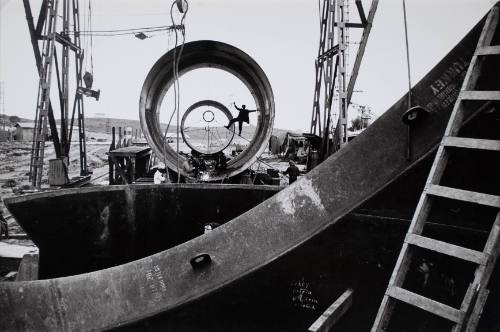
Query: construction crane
(331, 72)
(47, 59)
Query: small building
(294, 147)
(24, 131)
(172, 137)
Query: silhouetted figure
(242, 117)
(293, 172)
(221, 161)
(4, 227)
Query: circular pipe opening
(207, 54)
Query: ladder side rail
(328, 70)
(35, 153)
(82, 138)
(79, 100)
(44, 95)
(34, 33)
(482, 274)
(79, 55)
(33, 146)
(64, 95)
(440, 161)
(470, 80)
(316, 114)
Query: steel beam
(38, 61)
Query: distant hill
(101, 125)
(13, 118)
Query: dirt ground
(15, 167)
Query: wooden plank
(426, 304)
(331, 315)
(480, 95)
(447, 249)
(383, 315)
(471, 143)
(483, 272)
(489, 27)
(492, 246)
(28, 269)
(397, 278)
(488, 50)
(455, 123)
(119, 169)
(477, 311)
(130, 151)
(16, 251)
(464, 195)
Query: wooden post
(111, 173)
(119, 145)
(326, 321)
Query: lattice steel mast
(46, 31)
(335, 13)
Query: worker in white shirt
(159, 178)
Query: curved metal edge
(199, 54)
(88, 190)
(123, 294)
(201, 103)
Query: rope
(176, 77)
(132, 30)
(85, 38)
(91, 41)
(407, 54)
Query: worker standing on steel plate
(242, 117)
(188, 166)
(292, 171)
(160, 176)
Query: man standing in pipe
(293, 172)
(242, 117)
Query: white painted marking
(302, 192)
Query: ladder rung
(488, 50)
(472, 143)
(464, 195)
(480, 95)
(425, 303)
(447, 249)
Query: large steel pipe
(212, 103)
(207, 54)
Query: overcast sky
(281, 35)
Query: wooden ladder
(467, 317)
(43, 99)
